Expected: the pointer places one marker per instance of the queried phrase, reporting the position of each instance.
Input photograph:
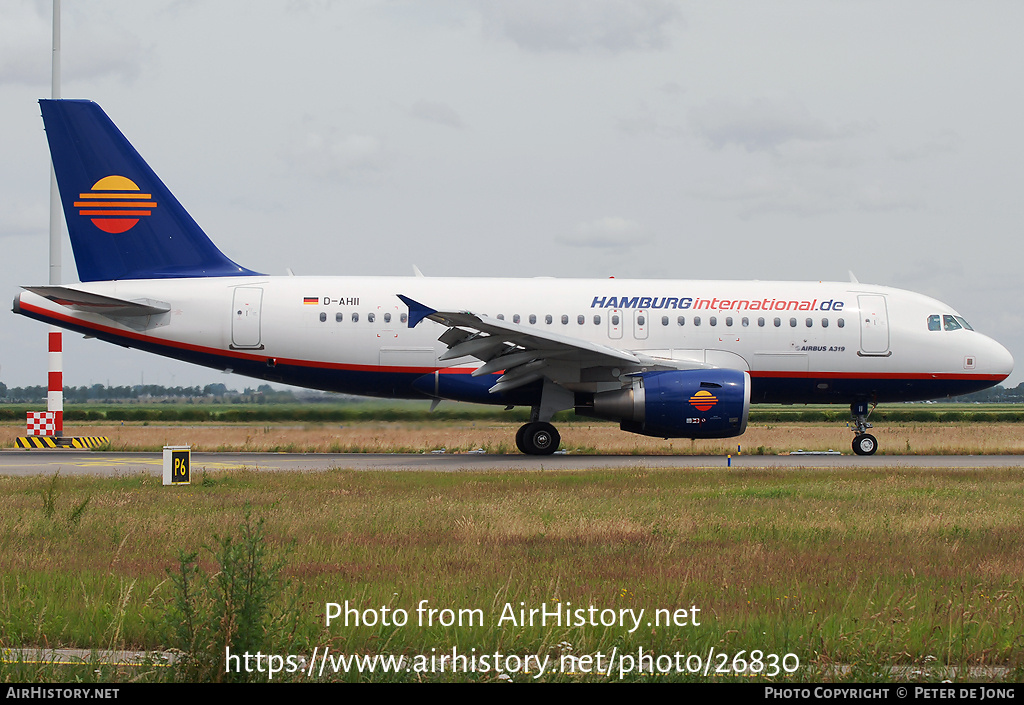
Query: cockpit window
(962, 322)
(950, 323)
(934, 323)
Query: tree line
(99, 393)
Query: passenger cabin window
(501, 316)
(339, 317)
(581, 319)
(696, 320)
(641, 320)
(597, 320)
(404, 318)
(548, 319)
(664, 320)
(809, 322)
(778, 322)
(533, 318)
(387, 318)
(323, 317)
(355, 318)
(841, 323)
(370, 318)
(760, 323)
(515, 318)
(681, 320)
(565, 320)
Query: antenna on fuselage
(853, 277)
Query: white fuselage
(800, 341)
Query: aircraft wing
(525, 353)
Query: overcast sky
(576, 138)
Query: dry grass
(495, 437)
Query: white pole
(55, 381)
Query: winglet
(417, 311)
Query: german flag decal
(310, 300)
(703, 400)
(115, 204)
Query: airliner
(670, 359)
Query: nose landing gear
(863, 443)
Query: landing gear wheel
(519, 438)
(538, 438)
(865, 444)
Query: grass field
(854, 573)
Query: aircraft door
(874, 325)
(245, 317)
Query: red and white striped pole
(55, 388)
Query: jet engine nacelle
(710, 403)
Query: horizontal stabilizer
(78, 300)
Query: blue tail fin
(123, 222)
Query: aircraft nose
(997, 360)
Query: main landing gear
(863, 443)
(537, 438)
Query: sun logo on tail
(703, 400)
(115, 204)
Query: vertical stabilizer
(124, 223)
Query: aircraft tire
(538, 438)
(519, 438)
(865, 444)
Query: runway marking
(158, 462)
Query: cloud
(647, 124)
(22, 217)
(606, 233)
(945, 142)
(763, 125)
(878, 198)
(437, 113)
(329, 155)
(582, 25)
(805, 195)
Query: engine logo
(703, 400)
